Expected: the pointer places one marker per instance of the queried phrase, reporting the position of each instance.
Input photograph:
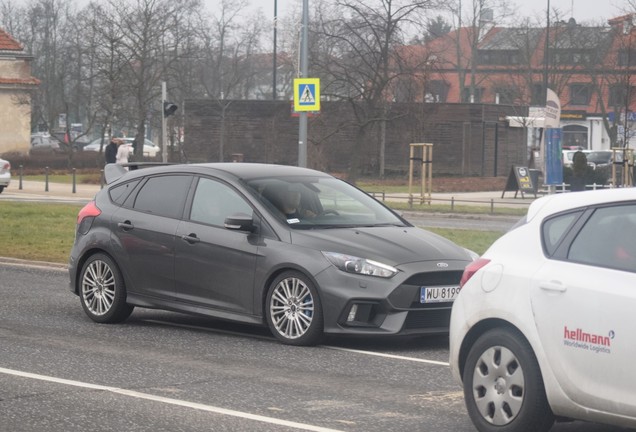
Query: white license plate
(439, 294)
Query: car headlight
(354, 264)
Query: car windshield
(599, 157)
(310, 203)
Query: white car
(5, 174)
(543, 327)
(150, 148)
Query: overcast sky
(581, 10)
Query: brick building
(592, 69)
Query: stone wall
(467, 138)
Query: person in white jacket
(123, 151)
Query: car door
(144, 228)
(214, 266)
(584, 302)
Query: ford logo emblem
(442, 265)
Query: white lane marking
(371, 353)
(170, 401)
(391, 356)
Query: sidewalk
(36, 190)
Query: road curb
(32, 263)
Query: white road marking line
(170, 401)
(392, 356)
(372, 353)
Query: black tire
(1, 189)
(102, 291)
(503, 387)
(293, 310)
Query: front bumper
(365, 305)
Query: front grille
(407, 295)
(428, 319)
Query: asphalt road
(161, 371)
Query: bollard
(492, 206)
(21, 173)
(452, 203)
(74, 183)
(46, 179)
(102, 180)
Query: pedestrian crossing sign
(307, 94)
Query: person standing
(123, 152)
(110, 152)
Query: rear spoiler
(113, 171)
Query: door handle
(126, 226)
(554, 286)
(191, 238)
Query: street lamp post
(274, 56)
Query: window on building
(627, 57)
(508, 95)
(580, 94)
(619, 94)
(479, 92)
(498, 57)
(436, 91)
(538, 94)
(571, 57)
(575, 136)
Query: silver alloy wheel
(291, 308)
(98, 287)
(498, 385)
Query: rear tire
(503, 386)
(102, 291)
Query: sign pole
(302, 127)
(164, 141)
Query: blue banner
(553, 161)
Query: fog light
(352, 313)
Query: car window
(163, 195)
(214, 201)
(554, 229)
(306, 203)
(119, 193)
(607, 239)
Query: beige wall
(15, 104)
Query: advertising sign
(553, 154)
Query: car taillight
(471, 269)
(86, 216)
(89, 210)
(6, 166)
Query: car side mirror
(240, 222)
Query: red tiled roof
(7, 43)
(23, 81)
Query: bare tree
(358, 60)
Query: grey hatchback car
(290, 248)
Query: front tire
(294, 311)
(503, 386)
(102, 291)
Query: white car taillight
(471, 269)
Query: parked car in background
(599, 158)
(45, 143)
(150, 149)
(5, 174)
(223, 240)
(543, 326)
